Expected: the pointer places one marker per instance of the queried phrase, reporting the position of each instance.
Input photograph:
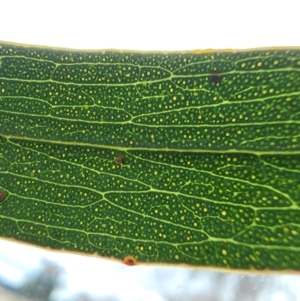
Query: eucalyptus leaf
(156, 157)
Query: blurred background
(28, 273)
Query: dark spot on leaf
(2, 196)
(120, 160)
(129, 260)
(215, 79)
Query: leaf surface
(189, 157)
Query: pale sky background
(151, 24)
(136, 25)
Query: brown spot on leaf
(215, 79)
(2, 196)
(120, 159)
(129, 260)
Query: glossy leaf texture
(176, 158)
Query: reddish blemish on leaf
(120, 160)
(215, 79)
(2, 196)
(129, 260)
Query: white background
(151, 24)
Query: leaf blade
(193, 189)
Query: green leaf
(189, 157)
